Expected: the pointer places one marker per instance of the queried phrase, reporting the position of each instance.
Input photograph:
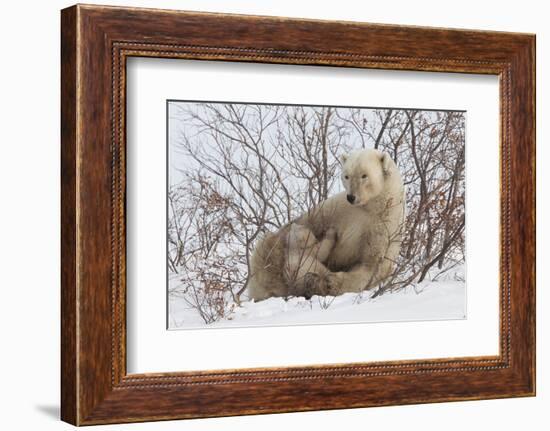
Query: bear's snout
(350, 198)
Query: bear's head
(300, 237)
(364, 174)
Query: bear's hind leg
(358, 279)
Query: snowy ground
(431, 300)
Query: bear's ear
(385, 161)
(343, 158)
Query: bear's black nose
(351, 198)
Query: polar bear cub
(304, 271)
(290, 262)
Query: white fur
(368, 232)
(368, 236)
(304, 271)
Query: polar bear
(368, 219)
(303, 269)
(290, 263)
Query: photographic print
(299, 214)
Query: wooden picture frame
(95, 43)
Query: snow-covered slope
(430, 300)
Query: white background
(152, 349)
(29, 220)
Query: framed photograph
(322, 214)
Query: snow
(444, 299)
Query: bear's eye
(364, 176)
(346, 177)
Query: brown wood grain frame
(96, 41)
